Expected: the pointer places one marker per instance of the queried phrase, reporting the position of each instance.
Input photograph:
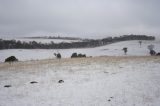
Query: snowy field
(98, 81)
(115, 49)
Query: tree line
(54, 37)
(87, 43)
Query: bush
(152, 52)
(58, 55)
(11, 59)
(75, 55)
(158, 54)
(81, 55)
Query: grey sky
(79, 17)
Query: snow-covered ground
(98, 81)
(115, 49)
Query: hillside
(115, 49)
(99, 81)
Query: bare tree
(125, 50)
(140, 43)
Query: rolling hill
(115, 49)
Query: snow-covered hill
(100, 81)
(113, 79)
(115, 49)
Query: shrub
(152, 52)
(74, 55)
(58, 55)
(158, 54)
(11, 59)
(83, 55)
(79, 55)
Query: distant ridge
(85, 43)
(53, 37)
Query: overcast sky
(82, 18)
